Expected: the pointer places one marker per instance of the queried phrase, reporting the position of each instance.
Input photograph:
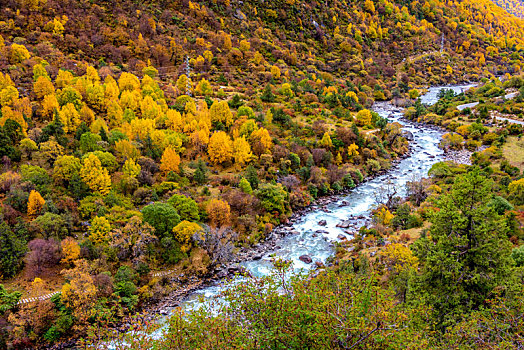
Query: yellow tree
(183, 233)
(261, 141)
(218, 212)
(364, 117)
(69, 117)
(99, 230)
(70, 250)
(220, 113)
(131, 168)
(95, 176)
(275, 72)
(220, 148)
(241, 151)
(42, 87)
(352, 151)
(170, 161)
(35, 204)
(326, 141)
(50, 106)
(79, 293)
(181, 83)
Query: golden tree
(70, 250)
(42, 87)
(170, 161)
(95, 176)
(242, 151)
(261, 141)
(35, 204)
(364, 117)
(220, 113)
(69, 117)
(79, 293)
(220, 148)
(99, 230)
(219, 212)
(184, 232)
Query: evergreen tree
(267, 94)
(200, 173)
(251, 175)
(12, 250)
(466, 254)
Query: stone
(341, 237)
(344, 224)
(306, 258)
(322, 223)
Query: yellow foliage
(99, 230)
(275, 72)
(35, 204)
(170, 161)
(183, 233)
(42, 87)
(219, 212)
(50, 105)
(399, 257)
(70, 250)
(220, 113)
(69, 117)
(95, 176)
(19, 53)
(364, 117)
(242, 151)
(220, 149)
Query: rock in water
(344, 224)
(306, 258)
(322, 223)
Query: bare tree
(218, 242)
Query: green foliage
(162, 216)
(12, 250)
(273, 198)
(186, 207)
(8, 300)
(467, 254)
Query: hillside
(515, 7)
(144, 144)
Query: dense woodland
(118, 165)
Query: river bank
(308, 238)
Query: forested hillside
(515, 7)
(142, 140)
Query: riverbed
(315, 233)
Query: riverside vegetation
(119, 167)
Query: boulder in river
(341, 237)
(306, 258)
(408, 135)
(322, 223)
(344, 224)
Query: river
(358, 203)
(319, 246)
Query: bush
(162, 216)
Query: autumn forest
(150, 150)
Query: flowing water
(361, 200)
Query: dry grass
(513, 151)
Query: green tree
(12, 250)
(186, 207)
(8, 300)
(273, 198)
(467, 253)
(162, 216)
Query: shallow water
(361, 200)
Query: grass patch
(513, 151)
